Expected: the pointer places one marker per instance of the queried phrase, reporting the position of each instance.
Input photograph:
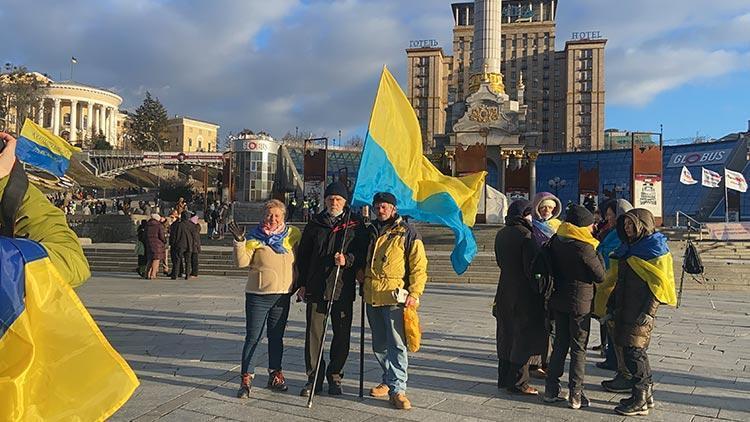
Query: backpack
(541, 271)
(693, 263)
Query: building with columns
(77, 112)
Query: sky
(313, 65)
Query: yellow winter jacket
(391, 266)
(40, 221)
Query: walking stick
(328, 313)
(362, 342)
(366, 218)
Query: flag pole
(726, 198)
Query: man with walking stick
(332, 249)
(395, 277)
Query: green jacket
(40, 221)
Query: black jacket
(520, 306)
(576, 267)
(195, 234)
(180, 236)
(321, 239)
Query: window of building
(190, 142)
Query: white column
(114, 127)
(487, 27)
(40, 114)
(90, 120)
(552, 10)
(105, 126)
(100, 119)
(56, 116)
(73, 120)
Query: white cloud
(317, 64)
(639, 75)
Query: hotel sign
(423, 44)
(518, 12)
(586, 35)
(702, 158)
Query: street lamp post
(556, 183)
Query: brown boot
(380, 390)
(245, 386)
(400, 401)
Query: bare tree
(21, 95)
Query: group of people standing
(595, 269)
(178, 233)
(337, 250)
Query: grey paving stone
(184, 342)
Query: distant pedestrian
(140, 248)
(196, 246)
(269, 253)
(180, 244)
(155, 241)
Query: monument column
(504, 155)
(486, 53)
(532, 174)
(100, 120)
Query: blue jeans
(389, 345)
(264, 310)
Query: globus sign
(699, 158)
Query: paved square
(184, 338)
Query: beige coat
(269, 272)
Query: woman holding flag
(645, 278)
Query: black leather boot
(649, 397)
(635, 405)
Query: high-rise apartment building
(564, 90)
(428, 73)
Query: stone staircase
(727, 263)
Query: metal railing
(695, 223)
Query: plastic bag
(412, 329)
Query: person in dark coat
(576, 267)
(195, 232)
(636, 298)
(318, 257)
(140, 247)
(181, 245)
(155, 241)
(519, 306)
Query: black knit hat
(381, 197)
(579, 216)
(337, 188)
(520, 207)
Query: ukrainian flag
(41, 148)
(392, 161)
(55, 364)
(651, 260)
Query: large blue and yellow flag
(651, 260)
(41, 148)
(392, 161)
(55, 364)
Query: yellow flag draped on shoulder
(651, 260)
(55, 364)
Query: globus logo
(698, 158)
